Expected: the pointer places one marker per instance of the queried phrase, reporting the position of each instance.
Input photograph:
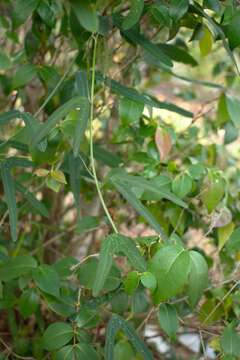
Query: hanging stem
(91, 136)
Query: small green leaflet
(28, 302)
(198, 277)
(5, 62)
(22, 10)
(57, 335)
(168, 319)
(54, 118)
(130, 111)
(33, 201)
(111, 245)
(47, 279)
(86, 14)
(148, 280)
(131, 282)
(117, 323)
(82, 121)
(170, 265)
(182, 185)
(233, 107)
(23, 75)
(134, 95)
(16, 267)
(134, 14)
(230, 341)
(82, 351)
(9, 193)
(233, 244)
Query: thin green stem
(91, 137)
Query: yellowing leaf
(205, 43)
(163, 142)
(59, 176)
(41, 172)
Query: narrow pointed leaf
(198, 277)
(82, 122)
(134, 14)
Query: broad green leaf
(28, 302)
(233, 243)
(82, 122)
(231, 30)
(33, 201)
(206, 42)
(59, 176)
(5, 62)
(86, 14)
(123, 350)
(86, 223)
(233, 107)
(230, 341)
(9, 194)
(134, 14)
(82, 351)
(148, 280)
(23, 75)
(213, 192)
(168, 319)
(182, 185)
(22, 10)
(16, 267)
(134, 95)
(47, 279)
(131, 282)
(63, 266)
(54, 118)
(130, 111)
(170, 265)
(224, 234)
(198, 277)
(57, 335)
(117, 323)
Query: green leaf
(107, 251)
(233, 107)
(231, 30)
(168, 319)
(131, 282)
(213, 192)
(230, 341)
(130, 111)
(57, 335)
(206, 42)
(148, 280)
(134, 95)
(16, 267)
(112, 244)
(22, 10)
(123, 350)
(86, 14)
(9, 193)
(198, 277)
(170, 265)
(212, 4)
(224, 234)
(177, 54)
(82, 351)
(54, 118)
(87, 223)
(28, 302)
(82, 122)
(33, 201)
(5, 62)
(47, 279)
(233, 244)
(23, 75)
(117, 323)
(74, 175)
(182, 185)
(134, 14)
(178, 8)
(108, 158)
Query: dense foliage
(119, 160)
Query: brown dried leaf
(163, 142)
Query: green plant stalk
(91, 137)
